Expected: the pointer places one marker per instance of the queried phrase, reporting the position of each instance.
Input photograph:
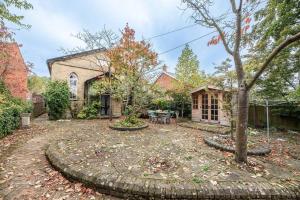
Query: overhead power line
(169, 32)
(181, 45)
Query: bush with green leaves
(57, 99)
(89, 112)
(10, 111)
(130, 121)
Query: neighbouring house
(13, 70)
(208, 105)
(80, 70)
(166, 80)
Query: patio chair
(166, 118)
(152, 116)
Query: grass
(197, 180)
(189, 157)
(205, 168)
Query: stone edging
(128, 128)
(202, 129)
(255, 152)
(138, 188)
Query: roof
(172, 75)
(96, 78)
(209, 87)
(74, 55)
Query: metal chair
(152, 116)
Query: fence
(39, 106)
(281, 116)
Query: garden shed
(208, 105)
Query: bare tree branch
(271, 56)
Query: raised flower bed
(213, 128)
(130, 123)
(256, 146)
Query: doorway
(210, 108)
(105, 106)
(204, 107)
(214, 113)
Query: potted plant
(26, 115)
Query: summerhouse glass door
(214, 113)
(204, 107)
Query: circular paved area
(163, 162)
(166, 156)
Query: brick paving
(162, 161)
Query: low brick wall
(256, 152)
(206, 127)
(137, 188)
(128, 128)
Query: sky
(54, 22)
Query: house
(166, 80)
(208, 105)
(80, 70)
(13, 70)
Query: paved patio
(167, 160)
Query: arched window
(73, 86)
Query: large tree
(188, 76)
(278, 20)
(134, 64)
(188, 68)
(232, 27)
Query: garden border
(138, 188)
(129, 128)
(202, 129)
(254, 152)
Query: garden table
(161, 115)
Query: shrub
(10, 110)
(130, 121)
(90, 111)
(57, 98)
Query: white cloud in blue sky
(53, 22)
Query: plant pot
(25, 120)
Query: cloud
(52, 25)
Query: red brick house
(166, 80)
(13, 70)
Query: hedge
(10, 110)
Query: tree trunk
(241, 127)
(182, 109)
(231, 123)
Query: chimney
(165, 67)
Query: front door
(214, 113)
(204, 107)
(104, 104)
(210, 108)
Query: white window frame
(73, 83)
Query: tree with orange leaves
(133, 65)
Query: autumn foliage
(216, 39)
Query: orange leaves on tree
(131, 55)
(214, 40)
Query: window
(73, 86)
(195, 102)
(214, 107)
(205, 106)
